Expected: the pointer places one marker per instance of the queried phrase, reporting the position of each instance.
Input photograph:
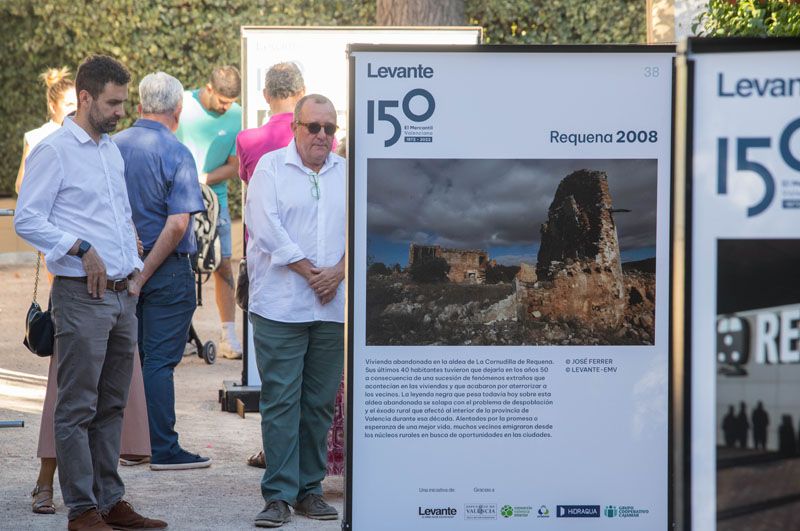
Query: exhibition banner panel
(742, 309)
(321, 55)
(508, 275)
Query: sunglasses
(315, 127)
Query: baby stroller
(205, 262)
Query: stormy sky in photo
(495, 205)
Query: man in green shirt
(210, 121)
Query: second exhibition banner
(508, 287)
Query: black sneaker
(183, 460)
(275, 514)
(313, 506)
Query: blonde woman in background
(61, 100)
(135, 448)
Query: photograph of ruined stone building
(466, 265)
(544, 253)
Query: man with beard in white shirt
(73, 207)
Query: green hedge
(188, 37)
(560, 21)
(749, 18)
(185, 38)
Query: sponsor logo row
(491, 511)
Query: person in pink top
(283, 87)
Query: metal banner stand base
(232, 390)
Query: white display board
(321, 55)
(742, 148)
(508, 361)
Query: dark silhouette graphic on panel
(742, 426)
(760, 423)
(787, 444)
(729, 428)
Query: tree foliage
(749, 18)
(501, 273)
(186, 38)
(429, 270)
(379, 269)
(560, 21)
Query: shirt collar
(80, 133)
(281, 117)
(151, 124)
(293, 158)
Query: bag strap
(36, 280)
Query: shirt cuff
(288, 254)
(61, 248)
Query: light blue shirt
(73, 189)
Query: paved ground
(759, 495)
(224, 497)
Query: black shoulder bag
(39, 329)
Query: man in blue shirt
(161, 179)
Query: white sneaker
(190, 350)
(133, 461)
(230, 347)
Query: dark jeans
(95, 340)
(300, 366)
(165, 310)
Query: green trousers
(300, 365)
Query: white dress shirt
(286, 224)
(73, 189)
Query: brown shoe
(122, 516)
(89, 520)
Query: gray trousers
(95, 340)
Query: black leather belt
(120, 284)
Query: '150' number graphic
(385, 113)
(744, 163)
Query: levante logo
(437, 512)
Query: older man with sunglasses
(295, 211)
